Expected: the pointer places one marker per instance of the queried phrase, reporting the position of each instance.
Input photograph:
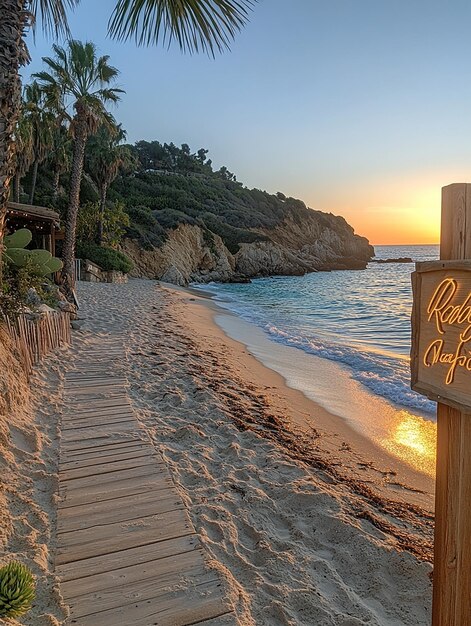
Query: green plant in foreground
(17, 589)
(16, 253)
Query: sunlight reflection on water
(413, 440)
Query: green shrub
(148, 239)
(115, 222)
(107, 258)
(141, 215)
(17, 590)
(180, 187)
(145, 228)
(171, 218)
(16, 285)
(231, 235)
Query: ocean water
(359, 319)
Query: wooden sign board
(441, 332)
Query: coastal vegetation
(75, 159)
(79, 79)
(25, 283)
(17, 590)
(204, 26)
(72, 156)
(107, 258)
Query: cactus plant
(17, 589)
(40, 257)
(19, 239)
(17, 255)
(54, 265)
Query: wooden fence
(34, 338)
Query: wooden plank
(108, 420)
(96, 394)
(98, 406)
(173, 600)
(83, 544)
(110, 476)
(119, 489)
(228, 619)
(455, 240)
(101, 444)
(437, 337)
(102, 452)
(124, 558)
(99, 415)
(113, 467)
(93, 410)
(127, 552)
(161, 571)
(98, 431)
(138, 452)
(100, 403)
(176, 607)
(118, 510)
(75, 389)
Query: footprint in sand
(24, 441)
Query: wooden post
(52, 239)
(452, 568)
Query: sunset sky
(361, 108)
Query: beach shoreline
(335, 441)
(299, 536)
(303, 523)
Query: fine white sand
(29, 440)
(302, 526)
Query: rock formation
(299, 244)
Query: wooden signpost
(441, 370)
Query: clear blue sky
(359, 107)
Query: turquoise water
(360, 319)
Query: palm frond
(110, 95)
(206, 25)
(106, 72)
(53, 15)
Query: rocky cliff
(301, 243)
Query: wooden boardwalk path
(127, 553)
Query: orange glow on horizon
(397, 225)
(397, 210)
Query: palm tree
(16, 16)
(206, 25)
(59, 155)
(105, 157)
(196, 25)
(41, 123)
(78, 78)
(24, 151)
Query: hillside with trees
(156, 209)
(137, 197)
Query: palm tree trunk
(16, 193)
(101, 214)
(33, 181)
(13, 54)
(55, 186)
(68, 253)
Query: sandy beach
(307, 521)
(304, 526)
(235, 314)
(29, 453)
